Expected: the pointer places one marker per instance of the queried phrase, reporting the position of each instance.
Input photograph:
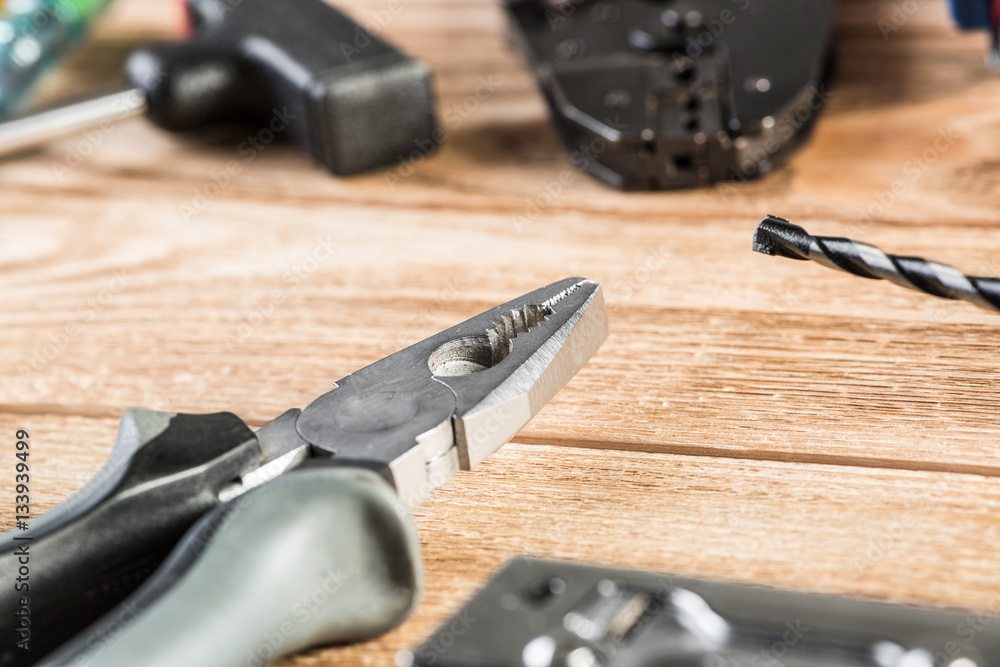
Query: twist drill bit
(777, 236)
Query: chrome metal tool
(546, 614)
(276, 515)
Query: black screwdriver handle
(93, 550)
(191, 84)
(298, 70)
(321, 555)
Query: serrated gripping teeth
(507, 329)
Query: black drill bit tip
(777, 236)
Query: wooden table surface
(749, 419)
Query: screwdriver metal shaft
(37, 128)
(777, 236)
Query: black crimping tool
(651, 95)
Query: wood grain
(906, 536)
(749, 419)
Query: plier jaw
(221, 511)
(447, 402)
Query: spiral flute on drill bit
(777, 236)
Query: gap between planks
(624, 446)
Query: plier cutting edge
(204, 543)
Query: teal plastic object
(34, 34)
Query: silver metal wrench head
(449, 401)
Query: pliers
(202, 542)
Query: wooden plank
(791, 361)
(905, 536)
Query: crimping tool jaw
(447, 402)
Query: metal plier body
(199, 510)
